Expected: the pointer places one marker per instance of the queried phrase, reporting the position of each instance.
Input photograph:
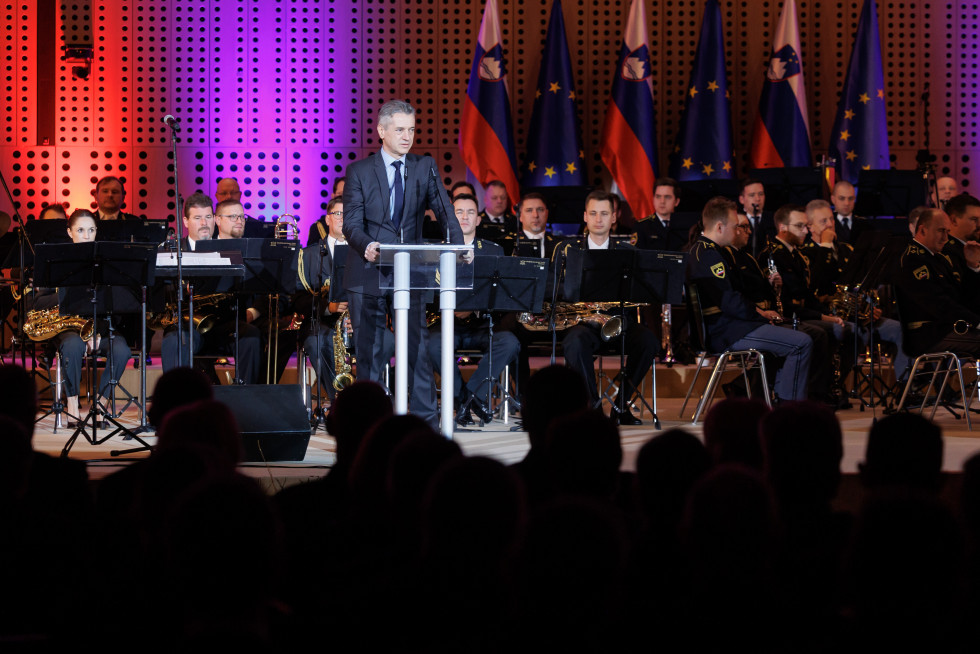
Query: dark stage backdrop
(282, 93)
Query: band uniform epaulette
(644, 218)
(913, 249)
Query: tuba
(43, 324)
(343, 376)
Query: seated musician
(933, 304)
(199, 225)
(472, 331)
(82, 227)
(827, 257)
(759, 286)
(964, 216)
(533, 214)
(731, 319)
(581, 342)
(315, 273)
(320, 229)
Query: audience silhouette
(406, 543)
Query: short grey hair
(816, 205)
(392, 107)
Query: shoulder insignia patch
(921, 272)
(718, 270)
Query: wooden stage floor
(496, 440)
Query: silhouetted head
(584, 453)
(731, 432)
(903, 450)
(550, 392)
(803, 446)
(176, 388)
(354, 411)
(414, 462)
(207, 426)
(369, 471)
(667, 467)
(19, 397)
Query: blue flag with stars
(859, 139)
(554, 142)
(704, 147)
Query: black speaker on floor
(271, 418)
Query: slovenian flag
(486, 134)
(629, 138)
(781, 135)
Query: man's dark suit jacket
(367, 219)
(122, 216)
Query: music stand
(120, 267)
(133, 231)
(504, 284)
(889, 192)
(696, 193)
(796, 185)
(629, 276)
(875, 261)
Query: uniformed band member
(732, 320)
(964, 216)
(581, 342)
(759, 286)
(930, 301)
(653, 232)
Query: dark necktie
(845, 229)
(399, 192)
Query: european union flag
(704, 145)
(859, 139)
(554, 143)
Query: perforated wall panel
(282, 94)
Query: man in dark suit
(385, 199)
(752, 197)
(110, 195)
(581, 342)
(849, 227)
(653, 232)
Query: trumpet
(287, 227)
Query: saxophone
(43, 324)
(343, 376)
(569, 314)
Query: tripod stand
(97, 279)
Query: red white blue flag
(629, 137)
(486, 134)
(781, 135)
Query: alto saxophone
(42, 324)
(343, 377)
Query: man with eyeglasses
(229, 218)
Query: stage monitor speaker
(271, 419)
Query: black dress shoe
(625, 418)
(481, 410)
(463, 417)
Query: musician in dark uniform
(931, 302)
(320, 228)
(110, 195)
(472, 332)
(964, 216)
(533, 214)
(199, 226)
(752, 198)
(732, 320)
(581, 342)
(653, 232)
(759, 286)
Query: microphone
(171, 122)
(442, 194)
